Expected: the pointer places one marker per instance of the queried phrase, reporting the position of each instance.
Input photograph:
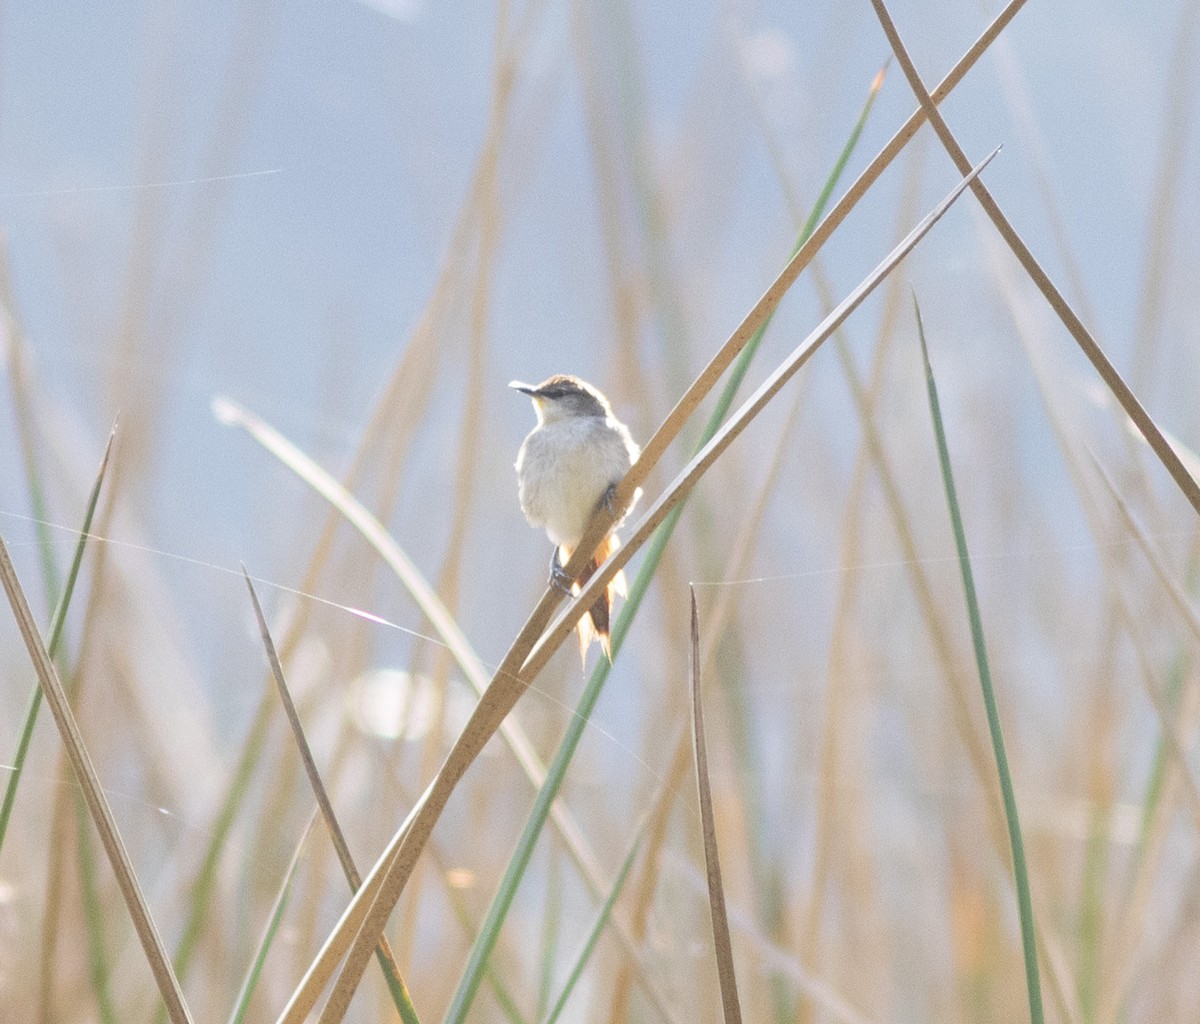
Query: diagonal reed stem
(89, 782)
(1070, 319)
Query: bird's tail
(595, 625)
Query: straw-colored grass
(511, 840)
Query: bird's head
(563, 396)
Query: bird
(567, 467)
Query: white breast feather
(565, 467)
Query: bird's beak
(525, 389)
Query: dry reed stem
(716, 891)
(774, 959)
(649, 205)
(394, 396)
(455, 896)
(237, 1014)
(416, 363)
(120, 600)
(1174, 739)
(450, 577)
(629, 372)
(486, 212)
(772, 956)
(865, 400)
(1130, 928)
(1067, 446)
(659, 814)
(85, 772)
(1152, 292)
(16, 355)
(1179, 600)
(721, 361)
(828, 826)
(1174, 960)
(1121, 960)
(324, 804)
(1032, 142)
(906, 211)
(1048, 947)
(1119, 963)
(128, 367)
(506, 687)
(1160, 229)
(319, 867)
(61, 839)
(857, 508)
(939, 633)
(1108, 373)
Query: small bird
(568, 466)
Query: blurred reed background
(357, 222)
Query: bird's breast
(564, 468)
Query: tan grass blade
(1103, 400)
(1108, 373)
(1163, 219)
(1181, 604)
(101, 814)
(324, 804)
(506, 687)
(464, 506)
(628, 369)
(409, 387)
(939, 633)
(1032, 140)
(1179, 600)
(659, 813)
(716, 891)
(1138, 918)
(1118, 960)
(61, 840)
(16, 355)
(828, 809)
(462, 907)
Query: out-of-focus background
(359, 221)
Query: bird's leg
(559, 580)
(609, 499)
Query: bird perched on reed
(568, 466)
